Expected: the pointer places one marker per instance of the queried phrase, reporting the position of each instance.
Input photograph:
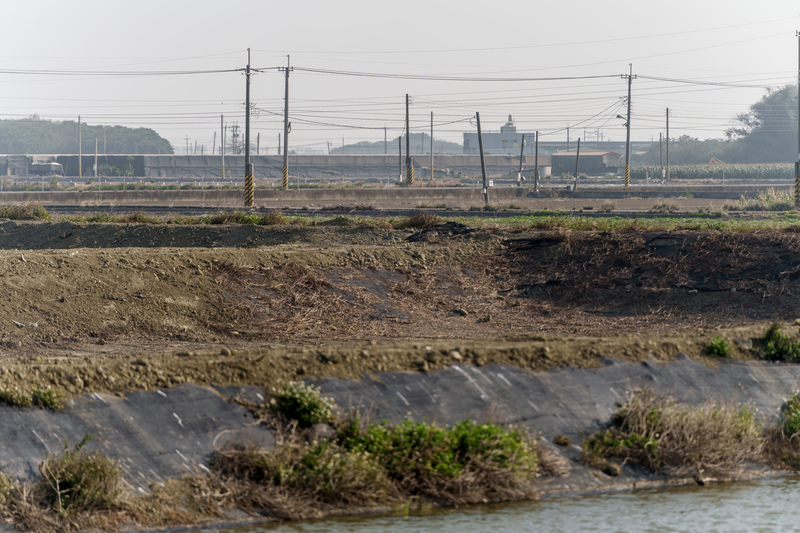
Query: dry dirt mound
(297, 300)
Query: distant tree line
(36, 136)
(767, 133)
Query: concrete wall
(330, 167)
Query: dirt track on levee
(122, 307)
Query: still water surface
(759, 506)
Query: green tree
(768, 132)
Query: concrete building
(591, 163)
(507, 142)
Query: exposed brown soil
(122, 307)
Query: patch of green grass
(780, 346)
(719, 347)
(44, 398)
(790, 416)
(23, 211)
(299, 401)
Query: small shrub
(77, 481)
(607, 207)
(15, 397)
(719, 347)
(780, 346)
(47, 399)
(301, 402)
(561, 440)
(790, 416)
(663, 435)
(664, 207)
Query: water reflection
(760, 506)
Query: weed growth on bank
(23, 211)
(719, 347)
(79, 481)
(779, 346)
(44, 398)
(665, 436)
(358, 463)
(302, 403)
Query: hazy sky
(549, 64)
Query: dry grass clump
(78, 490)
(665, 436)
(285, 299)
(421, 221)
(23, 211)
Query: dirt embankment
(128, 307)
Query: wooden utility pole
(409, 167)
(667, 144)
(80, 150)
(431, 146)
(483, 163)
(521, 159)
(400, 158)
(536, 165)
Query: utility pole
(483, 163)
(248, 166)
(279, 144)
(286, 126)
(214, 144)
(409, 167)
(797, 163)
(521, 159)
(258, 143)
(80, 150)
(431, 146)
(536, 165)
(95, 165)
(667, 144)
(567, 137)
(577, 163)
(222, 142)
(660, 155)
(400, 158)
(630, 77)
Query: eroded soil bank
(120, 308)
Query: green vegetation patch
(779, 346)
(665, 436)
(349, 462)
(719, 347)
(24, 211)
(302, 403)
(43, 398)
